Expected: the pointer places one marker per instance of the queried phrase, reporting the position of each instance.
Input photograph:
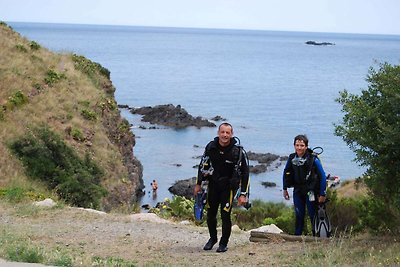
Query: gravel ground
(141, 238)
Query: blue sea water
(270, 85)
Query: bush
(257, 214)
(34, 46)
(179, 207)
(344, 213)
(77, 134)
(88, 67)
(46, 157)
(371, 128)
(21, 47)
(16, 100)
(53, 77)
(89, 115)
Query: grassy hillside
(73, 98)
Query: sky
(343, 16)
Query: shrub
(179, 207)
(88, 67)
(53, 77)
(77, 134)
(16, 100)
(124, 126)
(89, 115)
(46, 157)
(34, 46)
(370, 127)
(344, 213)
(256, 215)
(21, 47)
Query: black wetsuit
(221, 186)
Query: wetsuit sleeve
(200, 177)
(321, 174)
(286, 169)
(244, 183)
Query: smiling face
(300, 147)
(225, 133)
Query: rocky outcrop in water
(265, 161)
(184, 188)
(172, 116)
(316, 43)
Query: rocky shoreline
(177, 117)
(185, 187)
(171, 116)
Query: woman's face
(300, 148)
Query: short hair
(225, 124)
(301, 137)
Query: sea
(269, 85)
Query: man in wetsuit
(222, 157)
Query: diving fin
(321, 223)
(200, 201)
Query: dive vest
(302, 174)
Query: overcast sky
(346, 16)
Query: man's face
(225, 134)
(300, 147)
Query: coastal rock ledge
(172, 116)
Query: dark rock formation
(268, 184)
(316, 43)
(259, 168)
(169, 115)
(265, 158)
(218, 118)
(184, 188)
(125, 192)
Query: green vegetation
(22, 249)
(89, 68)
(53, 77)
(21, 48)
(16, 100)
(89, 114)
(371, 128)
(77, 134)
(34, 46)
(46, 157)
(16, 194)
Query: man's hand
(286, 194)
(197, 189)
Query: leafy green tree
(371, 128)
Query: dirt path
(143, 241)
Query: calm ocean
(270, 85)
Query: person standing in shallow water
(305, 174)
(221, 156)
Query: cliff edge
(73, 99)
